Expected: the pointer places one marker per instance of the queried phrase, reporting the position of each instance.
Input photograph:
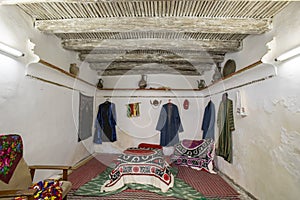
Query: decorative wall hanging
(85, 117)
(186, 104)
(155, 103)
(133, 110)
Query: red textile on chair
(11, 152)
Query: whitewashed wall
(266, 142)
(44, 114)
(266, 154)
(132, 131)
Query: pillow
(197, 154)
(137, 152)
(194, 148)
(149, 146)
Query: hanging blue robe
(169, 125)
(208, 123)
(105, 123)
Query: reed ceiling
(120, 37)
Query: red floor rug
(210, 185)
(125, 195)
(86, 172)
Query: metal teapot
(201, 84)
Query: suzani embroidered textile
(11, 152)
(140, 166)
(197, 154)
(133, 110)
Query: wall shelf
(237, 72)
(176, 89)
(149, 89)
(47, 64)
(253, 65)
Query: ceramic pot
(217, 75)
(100, 83)
(201, 84)
(74, 69)
(143, 82)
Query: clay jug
(74, 69)
(100, 83)
(217, 75)
(201, 84)
(143, 82)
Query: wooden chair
(22, 175)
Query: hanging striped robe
(225, 122)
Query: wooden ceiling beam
(148, 66)
(14, 2)
(127, 68)
(162, 24)
(145, 66)
(163, 44)
(155, 57)
(136, 72)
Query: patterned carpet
(211, 186)
(86, 172)
(126, 194)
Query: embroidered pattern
(195, 153)
(11, 152)
(148, 167)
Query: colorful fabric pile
(11, 152)
(48, 190)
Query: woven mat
(86, 172)
(210, 185)
(180, 189)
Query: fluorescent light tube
(288, 54)
(10, 51)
